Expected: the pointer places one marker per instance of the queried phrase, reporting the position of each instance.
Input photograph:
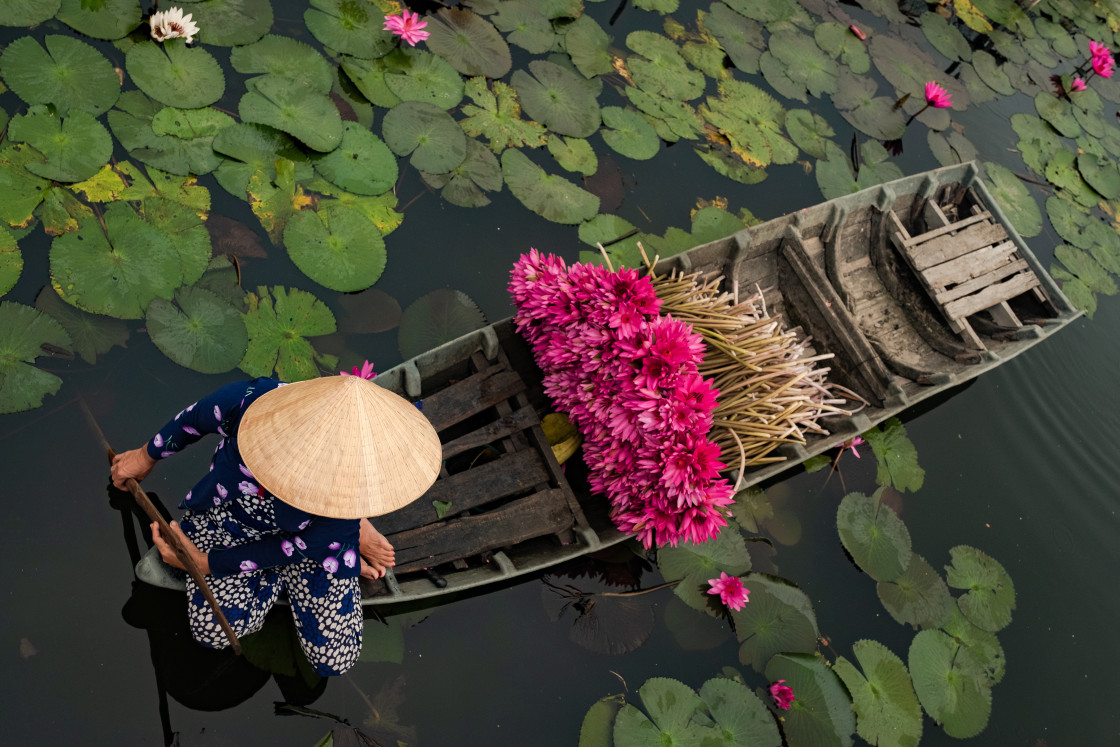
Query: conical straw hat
(339, 446)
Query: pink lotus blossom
(1103, 64)
(730, 589)
(365, 372)
(852, 443)
(407, 26)
(1077, 85)
(858, 32)
(937, 97)
(782, 695)
(1096, 49)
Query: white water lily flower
(168, 24)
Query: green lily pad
(660, 69)
(469, 42)
(991, 594)
(839, 42)
(1058, 112)
(918, 597)
(809, 131)
(1039, 49)
(983, 645)
(872, 115)
(68, 74)
(337, 247)
(104, 19)
(1101, 174)
(435, 141)
(92, 335)
(72, 148)
(279, 322)
(60, 211)
(280, 55)
(11, 260)
(368, 76)
(740, 37)
(496, 115)
(896, 456)
(1068, 220)
(362, 164)
(952, 149)
(695, 565)
(821, 713)
(525, 26)
(227, 23)
(23, 332)
(422, 76)
(711, 223)
(378, 209)
(887, 710)
(993, 74)
(671, 705)
(586, 44)
(598, 724)
(186, 231)
(1008, 46)
(1038, 141)
(178, 141)
(1086, 269)
(752, 508)
(1062, 172)
(279, 102)
(29, 12)
(908, 68)
(116, 271)
(835, 177)
(250, 148)
(1076, 291)
(672, 120)
(739, 714)
(874, 536)
(573, 154)
(779, 617)
(628, 133)
(547, 195)
(174, 74)
(980, 92)
(945, 37)
(274, 199)
(353, 28)
(751, 120)
(20, 190)
(1018, 205)
(950, 684)
(198, 330)
(467, 183)
(558, 98)
(604, 229)
(775, 15)
(804, 63)
(436, 318)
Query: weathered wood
(471, 396)
(938, 232)
(934, 216)
(991, 296)
(968, 266)
(506, 476)
(517, 420)
(944, 248)
(964, 289)
(538, 515)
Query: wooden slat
(959, 225)
(964, 289)
(518, 420)
(969, 266)
(538, 515)
(470, 396)
(509, 475)
(990, 296)
(944, 248)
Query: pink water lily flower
(937, 97)
(407, 26)
(730, 589)
(1104, 64)
(365, 372)
(782, 695)
(1077, 85)
(852, 443)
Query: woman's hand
(135, 464)
(201, 559)
(377, 554)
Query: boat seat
(967, 266)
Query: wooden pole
(167, 533)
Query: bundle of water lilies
(628, 368)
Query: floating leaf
(179, 141)
(437, 144)
(671, 705)
(558, 98)
(92, 335)
(778, 617)
(1062, 172)
(838, 41)
(20, 190)
(821, 713)
(68, 74)
(547, 195)
(226, 23)
(11, 260)
(573, 154)
(984, 646)
(526, 26)
(362, 164)
(186, 231)
(696, 564)
(834, 174)
(887, 710)
(945, 37)
(29, 12)
(1058, 112)
(353, 28)
(971, 16)
(198, 330)
(379, 210)
(809, 131)
(60, 211)
(368, 312)
(955, 148)
(336, 247)
(896, 456)
(1101, 174)
(1012, 195)
(497, 117)
(908, 68)
(992, 73)
(629, 134)
(422, 76)
(467, 183)
(751, 120)
(310, 117)
(660, 69)
(101, 19)
(369, 78)
(873, 115)
(175, 74)
(470, 43)
(23, 333)
(436, 318)
(73, 147)
(1038, 141)
(739, 714)
(598, 724)
(740, 37)
(672, 120)
(279, 55)
(802, 62)
(275, 200)
(775, 15)
(1086, 269)
(250, 148)
(950, 684)
(586, 43)
(918, 597)
(1068, 220)
(991, 594)
(1076, 291)
(873, 535)
(278, 322)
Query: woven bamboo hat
(339, 446)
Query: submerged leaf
(436, 318)
(23, 332)
(93, 335)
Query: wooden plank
(537, 515)
(959, 225)
(944, 248)
(471, 396)
(991, 296)
(506, 476)
(964, 289)
(969, 266)
(518, 420)
(934, 216)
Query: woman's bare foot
(377, 554)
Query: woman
(283, 508)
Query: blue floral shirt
(333, 543)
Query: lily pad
(872, 115)
(469, 42)
(92, 335)
(983, 645)
(435, 141)
(378, 209)
(23, 333)
(547, 195)
(178, 141)
(29, 12)
(1012, 195)
(1086, 269)
(118, 270)
(369, 78)
(68, 73)
(558, 98)
(362, 164)
(368, 312)
(1076, 291)
(466, 184)
(280, 55)
(1101, 174)
(992, 73)
(671, 705)
(908, 68)
(250, 148)
(660, 69)
(1068, 220)
(839, 42)
(353, 28)
(775, 15)
(105, 19)
(11, 260)
(20, 190)
(628, 133)
(874, 536)
(809, 131)
(739, 714)
(918, 597)
(274, 199)
(751, 120)
(821, 713)
(279, 102)
(950, 684)
(422, 76)
(672, 120)
(740, 37)
(60, 211)
(279, 322)
(226, 23)
(835, 177)
(175, 74)
(573, 154)
(337, 247)
(436, 318)
(945, 37)
(804, 63)
(185, 230)
(525, 26)
(496, 115)
(887, 710)
(951, 149)
(1058, 112)
(695, 564)
(72, 148)
(586, 44)
(1061, 171)
(896, 456)
(991, 594)
(779, 617)
(198, 330)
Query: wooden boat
(916, 286)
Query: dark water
(1021, 465)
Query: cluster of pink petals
(782, 695)
(628, 379)
(852, 443)
(1103, 62)
(730, 589)
(1077, 85)
(365, 372)
(407, 26)
(937, 97)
